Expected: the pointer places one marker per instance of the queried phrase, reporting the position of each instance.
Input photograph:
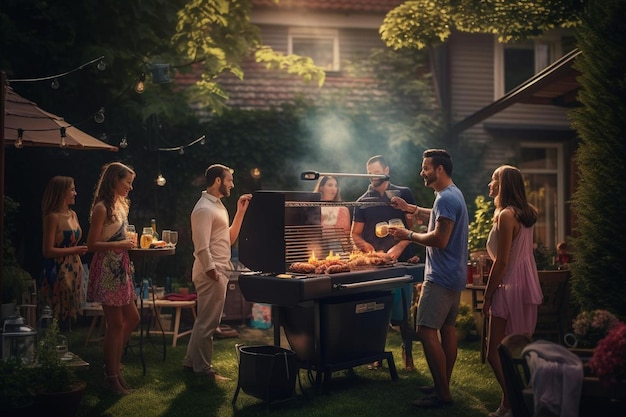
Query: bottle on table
(155, 235)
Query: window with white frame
(517, 62)
(542, 168)
(322, 45)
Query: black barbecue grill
(332, 321)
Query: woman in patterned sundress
(110, 273)
(60, 285)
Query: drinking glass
(397, 223)
(382, 229)
(131, 233)
(392, 193)
(146, 237)
(165, 235)
(173, 237)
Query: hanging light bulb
(101, 65)
(181, 151)
(63, 143)
(99, 116)
(140, 86)
(55, 84)
(255, 173)
(160, 180)
(123, 143)
(18, 143)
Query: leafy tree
(600, 251)
(422, 23)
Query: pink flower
(608, 362)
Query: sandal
(374, 365)
(120, 378)
(112, 383)
(432, 401)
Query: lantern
(18, 340)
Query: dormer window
(322, 45)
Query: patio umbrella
(41, 128)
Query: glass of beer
(146, 238)
(382, 229)
(131, 233)
(397, 223)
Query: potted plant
(16, 391)
(15, 279)
(57, 390)
(465, 321)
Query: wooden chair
(516, 372)
(552, 313)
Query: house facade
(502, 97)
(477, 82)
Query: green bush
(465, 319)
(480, 227)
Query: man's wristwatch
(411, 236)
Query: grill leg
(392, 365)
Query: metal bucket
(266, 372)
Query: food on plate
(158, 244)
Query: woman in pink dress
(110, 272)
(513, 292)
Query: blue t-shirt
(448, 267)
(369, 216)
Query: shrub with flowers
(592, 326)
(608, 362)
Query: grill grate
(304, 240)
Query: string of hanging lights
(181, 149)
(55, 78)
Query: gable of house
(534, 133)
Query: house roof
(332, 5)
(555, 85)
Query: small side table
(157, 305)
(94, 310)
(143, 256)
(477, 307)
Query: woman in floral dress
(110, 272)
(60, 286)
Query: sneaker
(502, 411)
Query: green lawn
(166, 391)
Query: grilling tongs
(314, 175)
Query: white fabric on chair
(556, 378)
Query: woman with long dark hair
(513, 293)
(110, 272)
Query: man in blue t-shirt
(365, 238)
(444, 273)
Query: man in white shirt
(212, 239)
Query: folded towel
(556, 377)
